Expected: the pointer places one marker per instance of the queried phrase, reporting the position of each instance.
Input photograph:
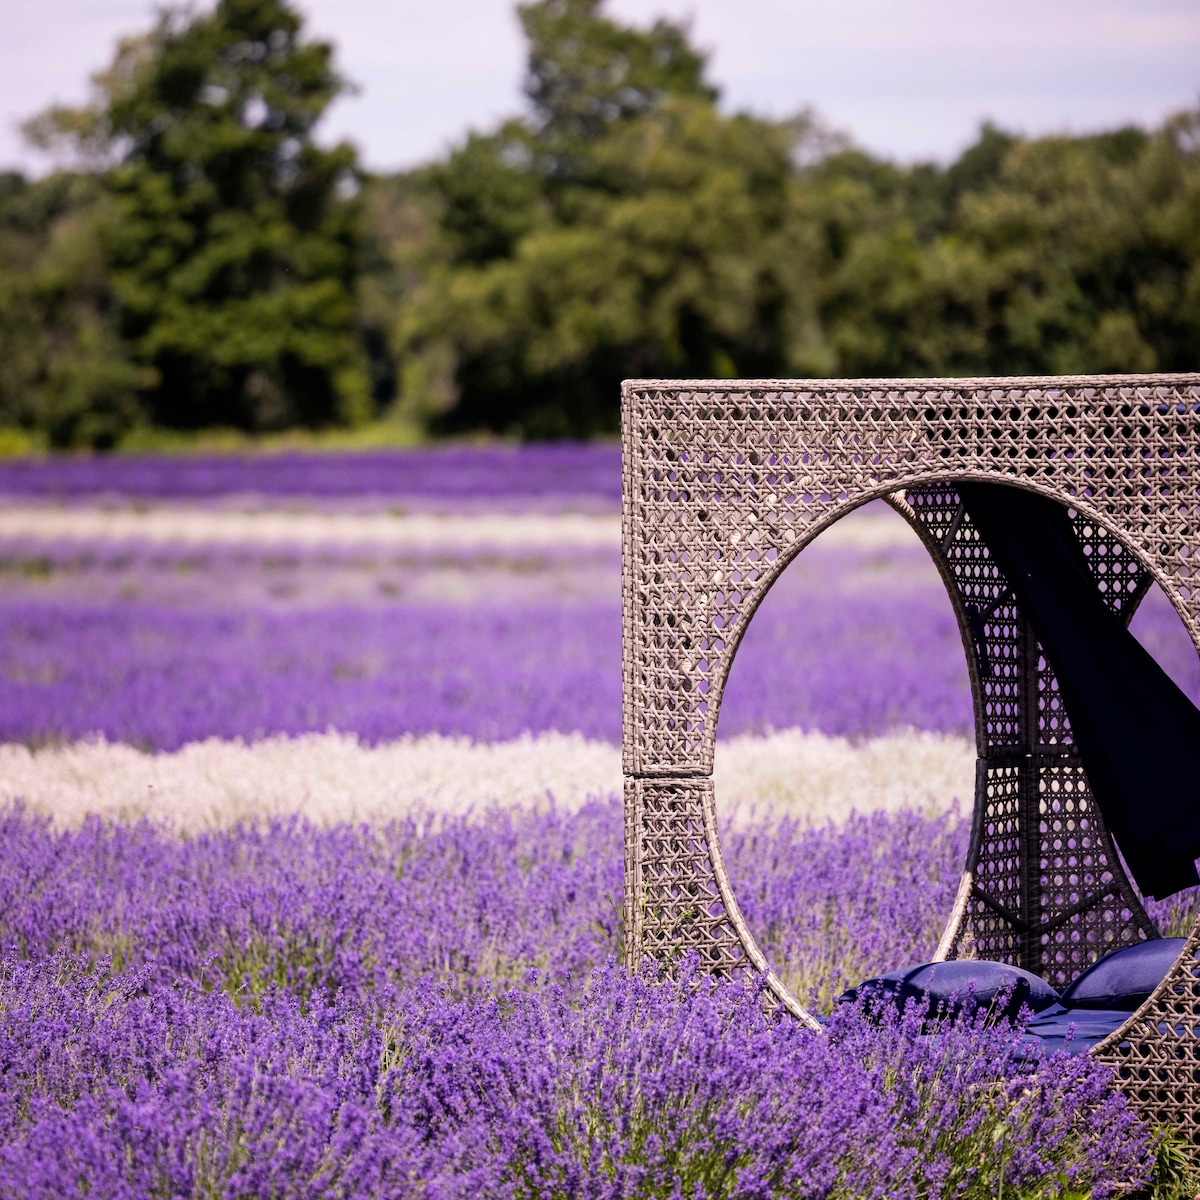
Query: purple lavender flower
(626, 1087)
(292, 1011)
(501, 473)
(159, 676)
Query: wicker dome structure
(726, 482)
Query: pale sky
(911, 79)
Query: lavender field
(310, 855)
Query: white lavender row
(249, 525)
(273, 527)
(334, 778)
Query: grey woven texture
(726, 482)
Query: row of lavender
(160, 645)
(504, 474)
(161, 677)
(286, 1012)
(825, 655)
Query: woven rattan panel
(677, 894)
(724, 483)
(1157, 1054)
(1047, 889)
(682, 905)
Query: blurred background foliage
(204, 264)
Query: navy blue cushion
(1125, 978)
(1074, 1029)
(947, 986)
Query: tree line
(205, 263)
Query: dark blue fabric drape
(1137, 734)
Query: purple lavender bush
(831, 905)
(500, 473)
(625, 1087)
(477, 903)
(846, 664)
(196, 643)
(360, 911)
(431, 1009)
(1176, 915)
(292, 1011)
(161, 676)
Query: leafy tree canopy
(232, 240)
(64, 372)
(1059, 255)
(218, 267)
(587, 73)
(626, 227)
(629, 227)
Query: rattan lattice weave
(726, 482)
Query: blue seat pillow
(946, 986)
(1124, 979)
(1073, 1029)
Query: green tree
(588, 73)
(217, 267)
(628, 227)
(1092, 248)
(233, 242)
(65, 376)
(1056, 255)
